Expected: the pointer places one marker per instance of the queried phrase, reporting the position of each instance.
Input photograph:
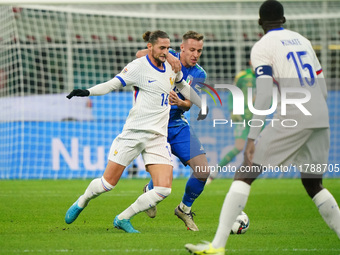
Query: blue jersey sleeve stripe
(121, 80)
(263, 70)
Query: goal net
(48, 50)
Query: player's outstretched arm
(78, 93)
(98, 90)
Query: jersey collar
(155, 67)
(276, 29)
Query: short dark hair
(271, 10)
(152, 37)
(192, 35)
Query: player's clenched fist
(78, 93)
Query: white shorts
(130, 143)
(278, 146)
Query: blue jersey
(193, 75)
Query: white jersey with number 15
(294, 64)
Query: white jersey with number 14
(150, 111)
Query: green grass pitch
(283, 220)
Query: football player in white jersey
(145, 130)
(185, 145)
(287, 59)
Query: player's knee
(162, 192)
(248, 174)
(202, 176)
(249, 181)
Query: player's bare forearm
(185, 105)
(174, 62)
(142, 53)
(249, 152)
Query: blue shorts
(184, 143)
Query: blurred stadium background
(47, 50)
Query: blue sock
(150, 185)
(193, 189)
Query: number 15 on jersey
(300, 66)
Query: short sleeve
(174, 53)
(130, 74)
(259, 56)
(199, 78)
(317, 64)
(202, 77)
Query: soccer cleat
(205, 248)
(124, 225)
(153, 210)
(73, 212)
(187, 218)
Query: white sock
(184, 208)
(95, 188)
(145, 201)
(329, 209)
(233, 204)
